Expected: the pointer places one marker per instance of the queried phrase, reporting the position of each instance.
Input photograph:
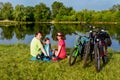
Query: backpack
(108, 40)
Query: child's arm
(44, 52)
(47, 49)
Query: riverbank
(9, 22)
(15, 65)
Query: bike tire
(104, 59)
(97, 57)
(73, 56)
(87, 52)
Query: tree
(107, 16)
(80, 16)
(1, 6)
(18, 12)
(28, 14)
(56, 7)
(42, 12)
(117, 15)
(7, 11)
(115, 8)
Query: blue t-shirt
(48, 50)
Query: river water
(24, 33)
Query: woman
(61, 52)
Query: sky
(77, 5)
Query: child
(47, 47)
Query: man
(36, 47)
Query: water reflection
(24, 33)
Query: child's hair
(47, 39)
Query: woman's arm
(59, 48)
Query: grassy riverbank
(15, 65)
(9, 22)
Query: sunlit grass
(15, 65)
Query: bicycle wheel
(73, 56)
(87, 52)
(104, 59)
(97, 57)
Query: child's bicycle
(78, 49)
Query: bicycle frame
(80, 44)
(77, 51)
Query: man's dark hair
(38, 33)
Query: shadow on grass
(91, 63)
(108, 60)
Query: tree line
(58, 12)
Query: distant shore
(9, 22)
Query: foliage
(15, 65)
(42, 13)
(56, 7)
(58, 12)
(18, 12)
(6, 11)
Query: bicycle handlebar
(80, 35)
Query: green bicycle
(78, 49)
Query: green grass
(15, 65)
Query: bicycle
(89, 48)
(98, 39)
(78, 49)
(99, 49)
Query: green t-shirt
(35, 47)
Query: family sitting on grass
(42, 50)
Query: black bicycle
(96, 46)
(100, 48)
(89, 47)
